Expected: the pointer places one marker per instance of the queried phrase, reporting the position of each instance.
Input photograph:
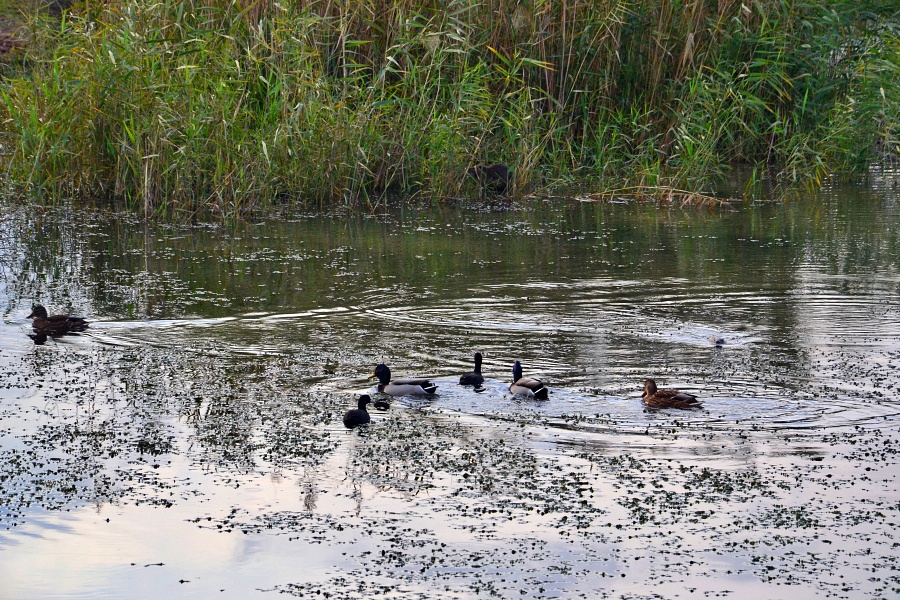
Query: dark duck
(494, 179)
(56, 325)
(475, 377)
(359, 415)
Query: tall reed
(179, 106)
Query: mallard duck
(57, 324)
(475, 377)
(493, 178)
(655, 398)
(527, 386)
(400, 387)
(359, 415)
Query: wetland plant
(176, 107)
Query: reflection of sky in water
(462, 494)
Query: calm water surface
(190, 443)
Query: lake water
(190, 444)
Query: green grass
(181, 107)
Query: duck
(401, 387)
(475, 377)
(656, 398)
(359, 415)
(56, 325)
(527, 386)
(493, 178)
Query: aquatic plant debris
(207, 418)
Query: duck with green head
(527, 386)
(401, 387)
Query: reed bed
(177, 107)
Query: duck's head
(382, 373)
(37, 312)
(517, 371)
(649, 388)
(363, 400)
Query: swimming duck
(400, 387)
(527, 386)
(57, 324)
(493, 178)
(655, 398)
(359, 415)
(475, 377)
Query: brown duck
(655, 398)
(57, 324)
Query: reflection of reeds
(175, 106)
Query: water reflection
(604, 297)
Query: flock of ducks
(56, 326)
(528, 387)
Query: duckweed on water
(211, 417)
(107, 436)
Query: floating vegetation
(664, 194)
(204, 406)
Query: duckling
(655, 398)
(400, 387)
(493, 178)
(359, 415)
(56, 325)
(527, 386)
(475, 377)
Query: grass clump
(182, 106)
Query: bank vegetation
(176, 107)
